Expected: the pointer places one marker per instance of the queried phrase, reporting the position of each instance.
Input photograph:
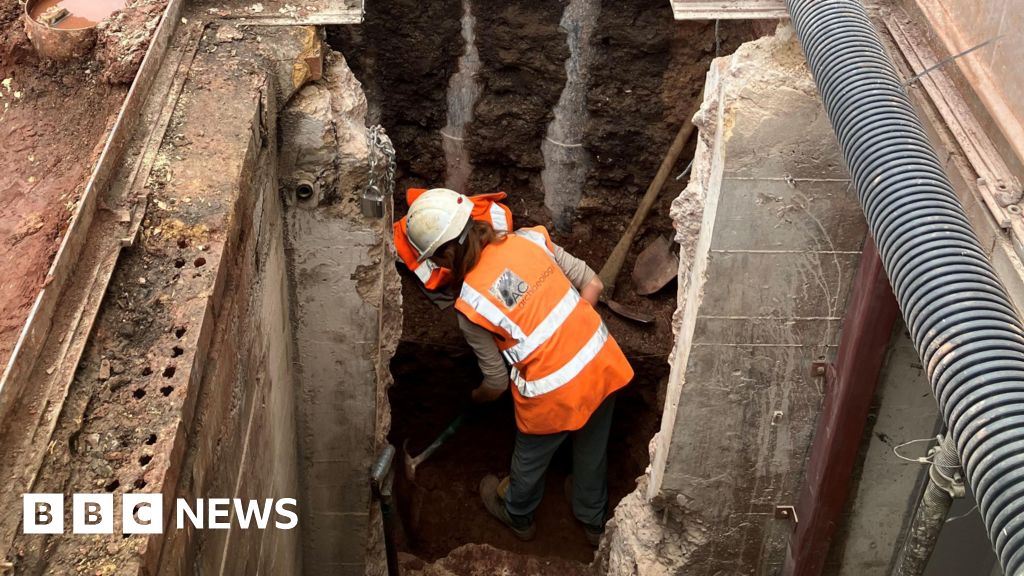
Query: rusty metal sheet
(871, 313)
(655, 267)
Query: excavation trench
(256, 339)
(240, 353)
(442, 509)
(548, 116)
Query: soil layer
(646, 75)
(403, 54)
(54, 119)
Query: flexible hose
(966, 331)
(932, 509)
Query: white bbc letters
(142, 513)
(218, 508)
(92, 513)
(42, 513)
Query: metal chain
(381, 181)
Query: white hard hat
(437, 216)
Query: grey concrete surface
(338, 267)
(883, 495)
(763, 288)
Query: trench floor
(442, 509)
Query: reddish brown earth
(633, 119)
(442, 508)
(54, 119)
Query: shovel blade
(655, 267)
(629, 313)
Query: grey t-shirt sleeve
(575, 269)
(492, 364)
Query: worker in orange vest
(525, 301)
(486, 207)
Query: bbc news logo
(144, 513)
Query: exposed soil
(522, 53)
(442, 509)
(54, 119)
(647, 73)
(485, 559)
(403, 54)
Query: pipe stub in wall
(304, 193)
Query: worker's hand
(482, 394)
(592, 291)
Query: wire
(920, 460)
(945, 61)
(964, 515)
(563, 144)
(686, 171)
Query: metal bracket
(819, 368)
(787, 513)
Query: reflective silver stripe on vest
(545, 329)
(488, 310)
(571, 369)
(424, 270)
(535, 237)
(498, 220)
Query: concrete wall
(340, 270)
(242, 437)
(770, 239)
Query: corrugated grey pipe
(944, 484)
(960, 318)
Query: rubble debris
(228, 33)
(53, 15)
(104, 373)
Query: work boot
(495, 504)
(593, 533)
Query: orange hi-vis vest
(486, 207)
(564, 361)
